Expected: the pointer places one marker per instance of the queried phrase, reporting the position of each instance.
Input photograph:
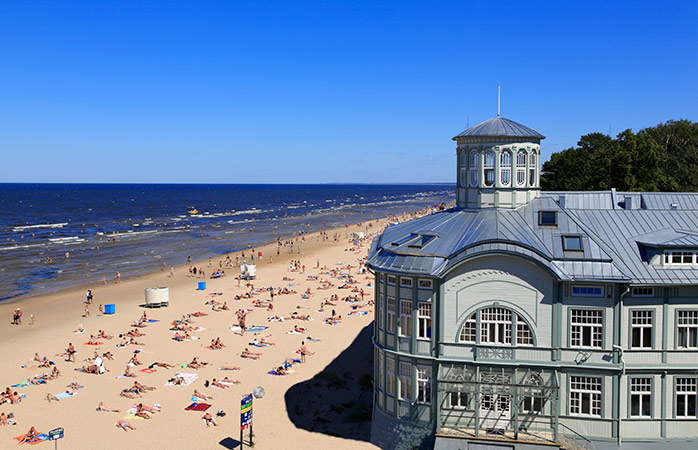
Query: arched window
(463, 169)
(521, 168)
(474, 168)
(532, 169)
(496, 325)
(505, 168)
(489, 169)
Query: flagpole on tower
(499, 97)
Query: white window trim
(641, 327)
(521, 168)
(634, 391)
(405, 376)
(390, 319)
(688, 326)
(419, 283)
(406, 318)
(406, 282)
(686, 393)
(505, 168)
(579, 394)
(489, 154)
(532, 169)
(420, 318)
(392, 283)
(424, 384)
(473, 168)
(668, 257)
(458, 406)
(582, 325)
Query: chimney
(628, 203)
(561, 201)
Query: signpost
(246, 417)
(55, 435)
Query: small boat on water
(193, 211)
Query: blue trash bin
(109, 308)
(202, 285)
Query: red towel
(146, 370)
(197, 407)
(97, 343)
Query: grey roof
(618, 244)
(500, 127)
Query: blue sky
(304, 92)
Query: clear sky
(310, 92)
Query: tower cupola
(498, 165)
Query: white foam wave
(43, 225)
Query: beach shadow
(338, 401)
(229, 443)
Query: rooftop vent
(674, 206)
(628, 203)
(561, 201)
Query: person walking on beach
(171, 271)
(118, 277)
(89, 297)
(104, 279)
(71, 352)
(303, 351)
(87, 310)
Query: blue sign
(55, 434)
(246, 412)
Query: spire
(499, 97)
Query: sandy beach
(282, 419)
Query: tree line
(661, 158)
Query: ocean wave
(43, 225)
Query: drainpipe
(619, 349)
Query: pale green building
(524, 319)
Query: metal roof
(500, 127)
(617, 244)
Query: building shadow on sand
(338, 401)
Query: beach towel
(188, 379)
(132, 415)
(311, 339)
(197, 407)
(235, 328)
(37, 440)
(358, 313)
(146, 370)
(96, 343)
(259, 345)
(23, 383)
(272, 372)
(153, 320)
(63, 395)
(293, 332)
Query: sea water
(134, 228)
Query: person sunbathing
(208, 420)
(30, 436)
(101, 407)
(265, 342)
(140, 413)
(160, 364)
(93, 340)
(151, 409)
(176, 380)
(108, 355)
(142, 388)
(103, 335)
(134, 360)
(128, 373)
(129, 394)
(251, 355)
(298, 329)
(218, 384)
(228, 380)
(202, 396)
(217, 343)
(51, 397)
(45, 363)
(228, 368)
(124, 425)
(55, 373)
(92, 368)
(14, 398)
(72, 387)
(225, 306)
(280, 371)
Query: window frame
(642, 327)
(489, 169)
(391, 283)
(692, 329)
(473, 168)
(565, 248)
(427, 319)
(496, 331)
(390, 381)
(602, 291)
(641, 394)
(521, 168)
(459, 405)
(572, 391)
(381, 368)
(540, 219)
(472, 320)
(686, 394)
(390, 323)
(532, 169)
(505, 167)
(380, 310)
(649, 295)
(405, 319)
(669, 257)
(406, 282)
(428, 280)
(424, 384)
(595, 327)
(405, 377)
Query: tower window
(473, 168)
(505, 168)
(532, 169)
(489, 169)
(521, 168)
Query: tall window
(505, 168)
(406, 318)
(424, 320)
(586, 328)
(533, 404)
(390, 316)
(379, 312)
(687, 329)
(641, 329)
(532, 169)
(381, 368)
(424, 384)
(686, 391)
(524, 336)
(390, 377)
(469, 330)
(474, 169)
(405, 381)
(463, 169)
(489, 169)
(521, 168)
(641, 397)
(585, 396)
(495, 326)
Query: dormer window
(473, 168)
(532, 169)
(489, 169)
(505, 168)
(679, 257)
(548, 218)
(521, 168)
(572, 243)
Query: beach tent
(248, 271)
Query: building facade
(527, 319)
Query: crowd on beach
(312, 309)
